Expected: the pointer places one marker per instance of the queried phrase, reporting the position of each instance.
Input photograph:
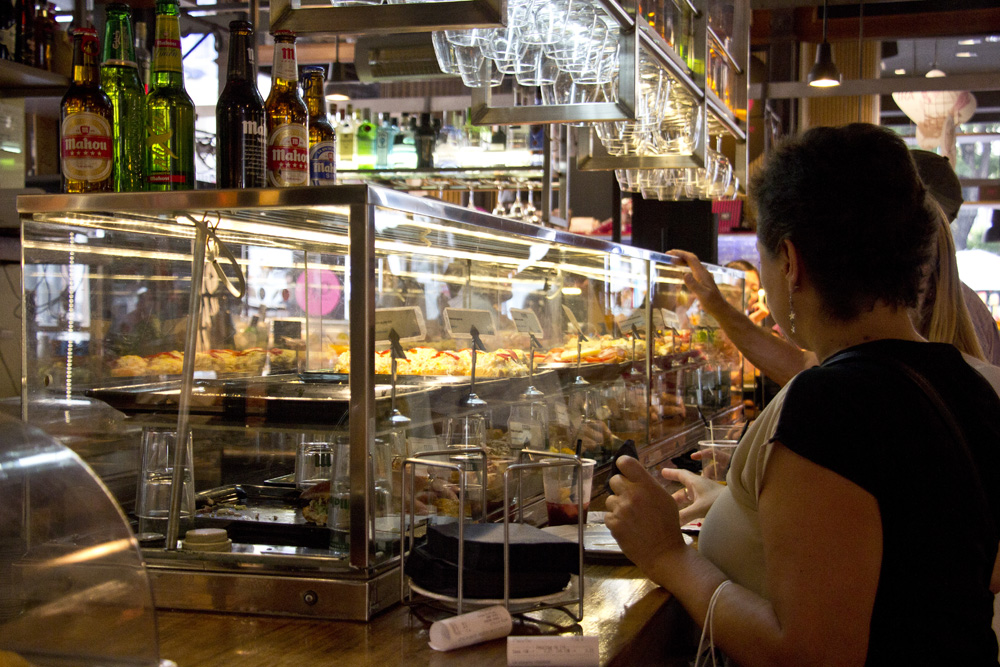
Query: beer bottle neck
(315, 101)
(285, 67)
(167, 65)
(85, 68)
(242, 65)
(118, 44)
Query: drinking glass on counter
(313, 463)
(338, 518)
(562, 501)
(152, 504)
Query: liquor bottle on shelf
(365, 142)
(8, 29)
(287, 118)
(85, 116)
(120, 80)
(169, 109)
(384, 136)
(45, 35)
(322, 136)
(346, 139)
(450, 139)
(242, 127)
(498, 139)
(142, 57)
(404, 150)
(477, 137)
(24, 39)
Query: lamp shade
(824, 72)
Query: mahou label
(288, 156)
(285, 63)
(167, 45)
(323, 163)
(254, 149)
(86, 148)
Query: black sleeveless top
(939, 501)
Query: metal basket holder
(513, 471)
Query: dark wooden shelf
(17, 80)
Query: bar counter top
(638, 623)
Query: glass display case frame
(353, 230)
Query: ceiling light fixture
(824, 73)
(966, 54)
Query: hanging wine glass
(516, 209)
(499, 209)
(530, 213)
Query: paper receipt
(472, 628)
(553, 652)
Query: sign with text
(526, 321)
(670, 319)
(407, 322)
(460, 321)
(636, 320)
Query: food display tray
(275, 399)
(259, 515)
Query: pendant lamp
(824, 73)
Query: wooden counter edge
(638, 623)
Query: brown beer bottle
(240, 116)
(322, 136)
(287, 118)
(85, 136)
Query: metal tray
(259, 515)
(275, 399)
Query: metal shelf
(386, 19)
(459, 179)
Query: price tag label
(520, 433)
(408, 323)
(459, 322)
(670, 319)
(526, 321)
(637, 319)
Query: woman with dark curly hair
(831, 543)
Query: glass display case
(73, 589)
(304, 342)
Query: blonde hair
(944, 318)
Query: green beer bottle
(120, 79)
(169, 109)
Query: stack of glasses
(570, 49)
(543, 39)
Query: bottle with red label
(287, 118)
(85, 136)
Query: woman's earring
(791, 313)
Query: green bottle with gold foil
(122, 84)
(169, 109)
